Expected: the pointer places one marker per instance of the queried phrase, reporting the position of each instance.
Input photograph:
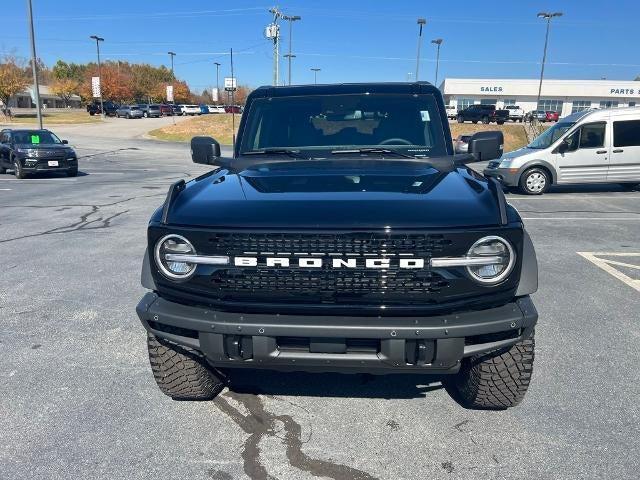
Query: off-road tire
(180, 372)
(494, 381)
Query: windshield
(409, 124)
(35, 137)
(549, 137)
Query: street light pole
(421, 22)
(289, 56)
(217, 82)
(547, 16)
(274, 32)
(98, 40)
(315, 75)
(437, 42)
(173, 79)
(34, 67)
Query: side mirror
(204, 150)
(66, 142)
(485, 146)
(563, 147)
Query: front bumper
(506, 176)
(434, 344)
(42, 165)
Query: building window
(632, 104)
(550, 105)
(580, 105)
(464, 103)
(488, 101)
(609, 104)
(509, 101)
(626, 134)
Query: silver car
(129, 111)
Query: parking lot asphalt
(78, 399)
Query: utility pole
(421, 23)
(315, 75)
(98, 40)
(273, 33)
(173, 79)
(289, 56)
(233, 108)
(437, 42)
(34, 67)
(217, 64)
(547, 16)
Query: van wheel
(460, 119)
(535, 181)
(496, 380)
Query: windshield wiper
(385, 151)
(275, 151)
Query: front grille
(286, 287)
(356, 243)
(328, 282)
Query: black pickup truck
(483, 113)
(343, 235)
(110, 108)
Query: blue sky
(349, 40)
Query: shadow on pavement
(269, 382)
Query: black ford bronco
(343, 235)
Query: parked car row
(150, 110)
(489, 114)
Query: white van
(593, 146)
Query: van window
(626, 134)
(592, 135)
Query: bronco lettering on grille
(319, 262)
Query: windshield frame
(550, 132)
(429, 101)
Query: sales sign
(95, 87)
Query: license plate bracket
(53, 163)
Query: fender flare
(528, 283)
(541, 163)
(145, 277)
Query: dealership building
(563, 96)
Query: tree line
(121, 82)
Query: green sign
(35, 138)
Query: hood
(521, 152)
(316, 194)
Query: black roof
(345, 88)
(25, 130)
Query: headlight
(495, 257)
(174, 245)
(506, 163)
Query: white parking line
(632, 219)
(605, 265)
(5, 189)
(571, 197)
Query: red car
(232, 109)
(552, 116)
(166, 110)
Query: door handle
(600, 152)
(619, 150)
